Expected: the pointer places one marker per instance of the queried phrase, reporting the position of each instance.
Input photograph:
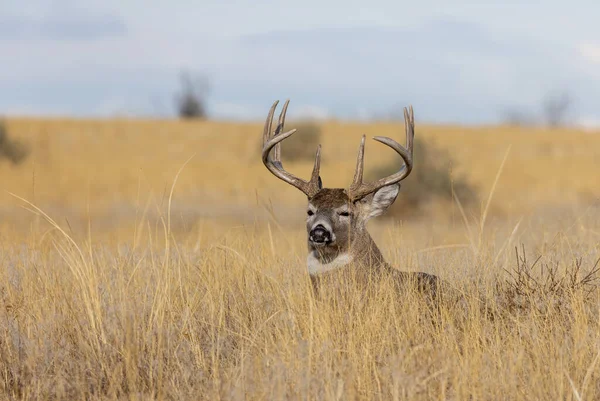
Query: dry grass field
(160, 260)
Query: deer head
(336, 217)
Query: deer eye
(310, 212)
(344, 214)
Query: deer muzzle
(320, 235)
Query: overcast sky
(454, 61)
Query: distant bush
(191, 100)
(430, 179)
(11, 149)
(301, 146)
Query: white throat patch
(316, 267)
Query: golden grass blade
(490, 196)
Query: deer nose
(319, 235)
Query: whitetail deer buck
(336, 221)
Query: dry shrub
(11, 149)
(545, 287)
(431, 179)
(303, 145)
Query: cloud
(589, 123)
(67, 26)
(590, 52)
(450, 70)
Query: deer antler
(358, 189)
(273, 139)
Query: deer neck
(360, 252)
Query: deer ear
(382, 199)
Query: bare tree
(556, 108)
(191, 100)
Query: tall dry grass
(163, 302)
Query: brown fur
(353, 238)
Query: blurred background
(103, 102)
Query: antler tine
(278, 130)
(268, 123)
(360, 160)
(317, 167)
(358, 189)
(409, 127)
(273, 140)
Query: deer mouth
(319, 243)
(320, 236)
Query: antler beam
(271, 154)
(358, 189)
